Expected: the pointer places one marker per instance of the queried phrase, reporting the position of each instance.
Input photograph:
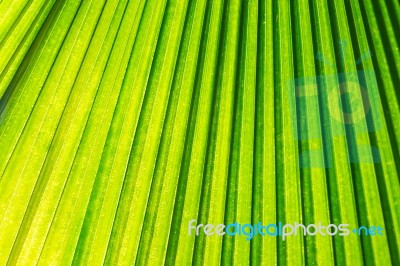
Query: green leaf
(123, 121)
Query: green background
(121, 120)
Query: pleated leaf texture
(125, 122)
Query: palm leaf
(121, 121)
